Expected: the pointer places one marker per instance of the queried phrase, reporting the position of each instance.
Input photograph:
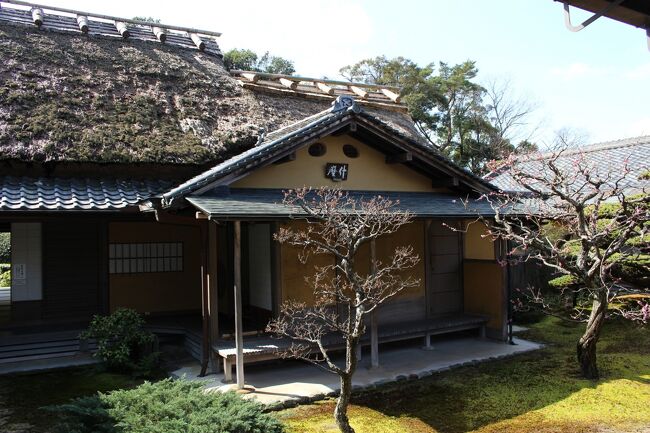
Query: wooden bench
(264, 348)
(256, 349)
(429, 327)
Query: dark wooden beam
(288, 158)
(346, 129)
(399, 158)
(449, 182)
(423, 155)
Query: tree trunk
(341, 410)
(586, 348)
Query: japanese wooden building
(137, 172)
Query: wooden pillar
(239, 337)
(427, 342)
(213, 294)
(104, 280)
(205, 309)
(374, 337)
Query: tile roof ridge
(71, 21)
(600, 146)
(376, 95)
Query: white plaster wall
(26, 253)
(259, 274)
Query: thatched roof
(79, 98)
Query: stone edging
(359, 389)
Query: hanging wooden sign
(336, 171)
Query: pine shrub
(168, 406)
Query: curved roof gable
(344, 113)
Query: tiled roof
(77, 194)
(601, 158)
(74, 22)
(280, 140)
(258, 203)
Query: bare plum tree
(582, 222)
(345, 292)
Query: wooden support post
(37, 16)
(427, 342)
(250, 76)
(359, 91)
(374, 336)
(160, 33)
(122, 29)
(239, 331)
(213, 294)
(197, 41)
(395, 97)
(325, 88)
(82, 22)
(291, 84)
(227, 370)
(206, 348)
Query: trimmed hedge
(168, 406)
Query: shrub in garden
(5, 277)
(5, 247)
(83, 415)
(165, 407)
(122, 342)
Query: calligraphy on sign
(335, 171)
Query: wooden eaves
(633, 12)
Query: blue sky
(596, 81)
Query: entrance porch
(265, 347)
(461, 284)
(288, 382)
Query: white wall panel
(26, 262)
(259, 277)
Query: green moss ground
(23, 396)
(537, 392)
